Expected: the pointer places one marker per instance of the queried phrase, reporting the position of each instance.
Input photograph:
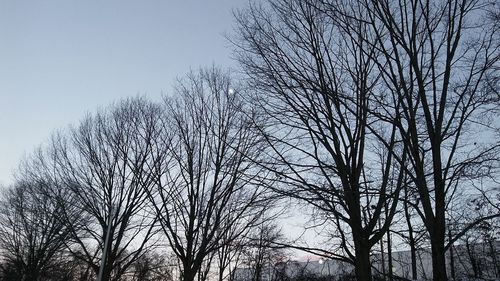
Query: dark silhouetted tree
(106, 163)
(206, 196)
(33, 237)
(315, 84)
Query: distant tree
(205, 190)
(261, 255)
(152, 267)
(228, 255)
(476, 254)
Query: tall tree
(205, 190)
(315, 83)
(106, 163)
(439, 63)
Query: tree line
(381, 117)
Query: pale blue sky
(62, 58)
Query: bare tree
(229, 251)
(431, 68)
(106, 163)
(152, 267)
(205, 190)
(260, 254)
(413, 233)
(439, 63)
(315, 84)
(32, 235)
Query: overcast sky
(61, 59)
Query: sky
(60, 59)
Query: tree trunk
(106, 272)
(258, 272)
(472, 258)
(382, 253)
(221, 274)
(411, 238)
(188, 275)
(438, 258)
(362, 263)
(382, 257)
(452, 259)
(436, 225)
(389, 255)
(413, 250)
